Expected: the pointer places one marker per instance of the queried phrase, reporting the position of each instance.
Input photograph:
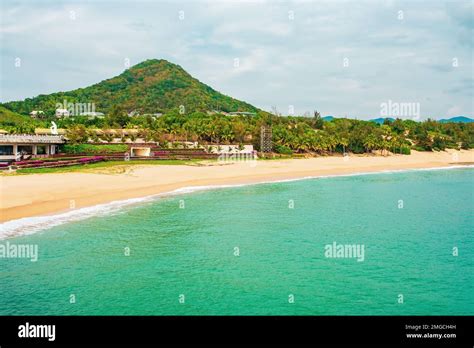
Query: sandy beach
(42, 194)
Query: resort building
(92, 114)
(231, 149)
(36, 113)
(234, 113)
(140, 151)
(62, 112)
(14, 147)
(237, 113)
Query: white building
(62, 113)
(241, 113)
(36, 113)
(93, 114)
(231, 149)
(14, 146)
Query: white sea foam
(30, 225)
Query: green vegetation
(284, 150)
(157, 86)
(348, 135)
(299, 134)
(94, 149)
(295, 135)
(13, 122)
(152, 86)
(104, 165)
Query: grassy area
(94, 149)
(279, 157)
(105, 165)
(116, 167)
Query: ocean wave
(30, 225)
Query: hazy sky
(343, 58)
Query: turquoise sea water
(191, 251)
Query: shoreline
(29, 225)
(43, 195)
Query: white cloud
(282, 61)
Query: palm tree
(387, 136)
(133, 137)
(398, 143)
(200, 130)
(108, 137)
(93, 135)
(130, 125)
(145, 134)
(370, 142)
(123, 137)
(343, 141)
(331, 142)
(175, 131)
(227, 135)
(174, 145)
(164, 144)
(212, 132)
(156, 136)
(301, 144)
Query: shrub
(405, 150)
(285, 150)
(465, 146)
(439, 144)
(419, 148)
(402, 150)
(94, 149)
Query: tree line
(291, 134)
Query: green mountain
(381, 120)
(11, 118)
(11, 121)
(152, 86)
(457, 119)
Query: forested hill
(153, 86)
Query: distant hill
(11, 121)
(12, 118)
(152, 86)
(381, 120)
(457, 119)
(328, 118)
